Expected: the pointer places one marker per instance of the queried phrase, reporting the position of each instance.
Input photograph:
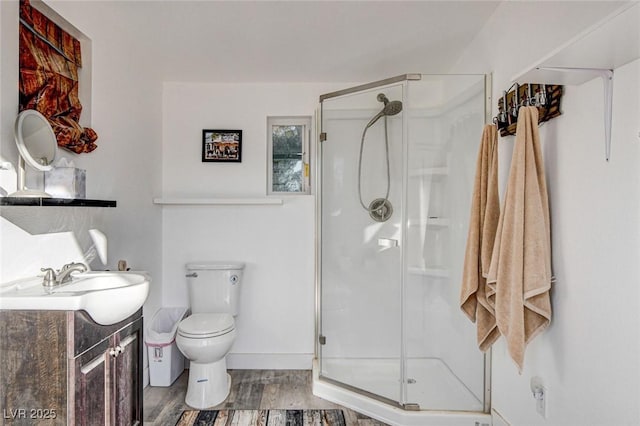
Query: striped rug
(262, 418)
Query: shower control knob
(234, 279)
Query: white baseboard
(254, 361)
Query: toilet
(206, 336)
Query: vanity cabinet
(107, 378)
(63, 368)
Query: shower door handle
(387, 242)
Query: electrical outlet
(541, 395)
(541, 403)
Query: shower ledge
(429, 171)
(430, 272)
(432, 222)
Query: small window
(288, 155)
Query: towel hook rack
(545, 97)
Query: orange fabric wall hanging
(49, 62)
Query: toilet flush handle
(192, 275)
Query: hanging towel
(485, 213)
(520, 271)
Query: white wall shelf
(596, 52)
(219, 201)
(607, 45)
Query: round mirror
(35, 139)
(37, 145)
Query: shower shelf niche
(435, 222)
(429, 271)
(430, 171)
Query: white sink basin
(108, 297)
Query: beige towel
(520, 271)
(485, 213)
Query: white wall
(126, 113)
(30, 252)
(276, 321)
(588, 358)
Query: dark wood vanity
(62, 368)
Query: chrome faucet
(65, 273)
(63, 276)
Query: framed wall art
(222, 146)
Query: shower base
(444, 400)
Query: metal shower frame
(321, 137)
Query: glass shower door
(361, 267)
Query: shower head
(390, 108)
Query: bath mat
(262, 418)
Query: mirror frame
(25, 155)
(24, 150)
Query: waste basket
(166, 362)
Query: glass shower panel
(444, 370)
(361, 258)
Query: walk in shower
(396, 163)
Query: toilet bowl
(207, 335)
(205, 339)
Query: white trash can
(166, 362)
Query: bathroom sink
(108, 297)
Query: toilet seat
(204, 326)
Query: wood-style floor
(250, 390)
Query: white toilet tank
(214, 286)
